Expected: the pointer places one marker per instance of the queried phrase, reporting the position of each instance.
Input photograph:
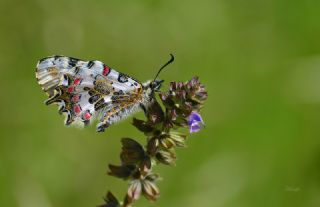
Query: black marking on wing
(122, 78)
(102, 127)
(69, 119)
(94, 98)
(73, 61)
(57, 56)
(42, 59)
(100, 104)
(90, 64)
(92, 92)
(77, 70)
(53, 99)
(67, 77)
(118, 93)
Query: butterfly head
(156, 85)
(152, 86)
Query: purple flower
(195, 121)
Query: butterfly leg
(144, 109)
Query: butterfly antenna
(170, 61)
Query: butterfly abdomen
(117, 114)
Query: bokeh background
(260, 62)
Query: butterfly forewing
(85, 90)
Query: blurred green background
(260, 62)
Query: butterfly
(91, 90)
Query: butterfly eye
(156, 85)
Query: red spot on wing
(87, 116)
(75, 98)
(77, 81)
(77, 109)
(70, 89)
(106, 70)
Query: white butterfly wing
(86, 90)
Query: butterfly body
(88, 90)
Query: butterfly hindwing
(86, 90)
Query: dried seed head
(182, 99)
(124, 171)
(134, 190)
(110, 201)
(150, 190)
(166, 157)
(132, 152)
